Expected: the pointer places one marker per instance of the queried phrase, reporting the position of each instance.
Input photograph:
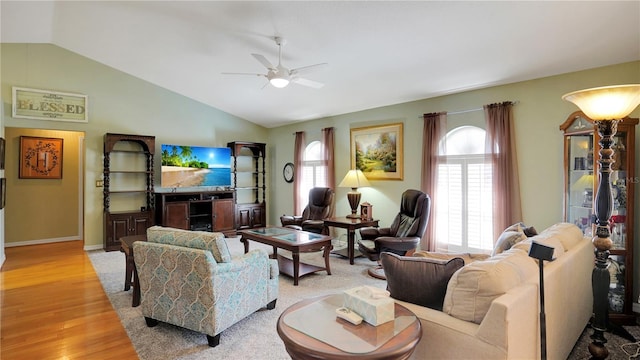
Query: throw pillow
(420, 281)
(506, 240)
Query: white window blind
(464, 219)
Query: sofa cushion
(417, 280)
(472, 288)
(467, 257)
(203, 240)
(568, 234)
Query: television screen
(192, 166)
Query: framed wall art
(40, 158)
(49, 105)
(377, 151)
(3, 193)
(2, 147)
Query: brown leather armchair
(404, 234)
(320, 206)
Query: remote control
(348, 315)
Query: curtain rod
(469, 110)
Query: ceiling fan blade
(235, 73)
(263, 60)
(307, 68)
(307, 82)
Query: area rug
(255, 337)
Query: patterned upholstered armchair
(189, 279)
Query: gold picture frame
(40, 158)
(378, 151)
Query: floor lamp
(606, 106)
(542, 252)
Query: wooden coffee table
(311, 330)
(295, 241)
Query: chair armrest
(242, 262)
(370, 233)
(290, 220)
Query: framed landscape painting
(377, 151)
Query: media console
(197, 210)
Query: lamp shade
(354, 179)
(607, 102)
(279, 82)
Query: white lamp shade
(279, 82)
(607, 102)
(354, 179)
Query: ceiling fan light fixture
(279, 82)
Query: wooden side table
(394, 340)
(351, 224)
(131, 274)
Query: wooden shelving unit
(128, 179)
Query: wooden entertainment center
(129, 180)
(197, 210)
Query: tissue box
(373, 311)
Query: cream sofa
(491, 307)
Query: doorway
(44, 210)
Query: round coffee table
(301, 346)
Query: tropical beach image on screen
(189, 166)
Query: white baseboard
(42, 241)
(93, 247)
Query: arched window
(314, 170)
(465, 202)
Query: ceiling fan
(280, 76)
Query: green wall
(124, 104)
(118, 103)
(538, 115)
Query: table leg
(351, 239)
(129, 265)
(327, 251)
(296, 267)
(246, 244)
(136, 288)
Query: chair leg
(150, 322)
(213, 340)
(272, 305)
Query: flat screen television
(195, 166)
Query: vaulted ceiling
(378, 52)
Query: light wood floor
(52, 306)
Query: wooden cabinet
(125, 224)
(199, 211)
(128, 186)
(581, 158)
(250, 216)
(249, 183)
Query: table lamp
(354, 179)
(606, 106)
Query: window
(464, 215)
(314, 170)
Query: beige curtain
(298, 153)
(328, 158)
(501, 147)
(434, 131)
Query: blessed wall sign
(49, 105)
